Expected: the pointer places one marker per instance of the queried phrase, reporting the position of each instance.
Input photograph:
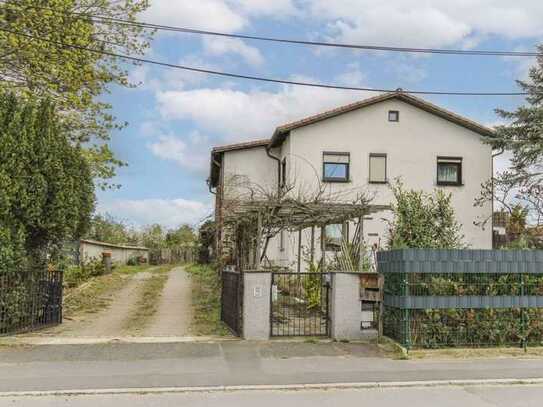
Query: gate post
(256, 305)
(346, 307)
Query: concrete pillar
(256, 305)
(346, 307)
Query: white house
(364, 146)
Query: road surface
(152, 365)
(488, 396)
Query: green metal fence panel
(436, 298)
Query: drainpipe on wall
(208, 181)
(278, 168)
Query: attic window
(393, 116)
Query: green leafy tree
(105, 228)
(423, 220)
(36, 59)
(183, 235)
(153, 237)
(47, 189)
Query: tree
(425, 221)
(47, 189)
(183, 235)
(522, 136)
(153, 237)
(105, 228)
(36, 59)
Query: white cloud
(220, 46)
(502, 162)
(167, 212)
(218, 15)
(352, 77)
(201, 14)
(193, 155)
(243, 115)
(429, 23)
(273, 8)
(158, 79)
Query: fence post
(522, 315)
(256, 305)
(346, 313)
(406, 312)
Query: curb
(42, 341)
(278, 387)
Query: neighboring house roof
(282, 131)
(112, 245)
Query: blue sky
(175, 117)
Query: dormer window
(393, 116)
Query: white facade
(412, 146)
(91, 250)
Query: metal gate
(299, 304)
(232, 300)
(30, 300)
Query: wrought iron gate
(30, 300)
(299, 304)
(232, 300)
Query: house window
(335, 167)
(378, 168)
(284, 172)
(334, 235)
(449, 171)
(282, 241)
(393, 116)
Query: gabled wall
(412, 146)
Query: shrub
(76, 275)
(423, 220)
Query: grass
(392, 349)
(147, 304)
(476, 353)
(206, 301)
(95, 293)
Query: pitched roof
(241, 146)
(217, 151)
(281, 132)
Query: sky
(175, 117)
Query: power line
(160, 27)
(258, 78)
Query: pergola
(255, 222)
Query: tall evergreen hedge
(46, 188)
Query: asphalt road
(491, 396)
(156, 365)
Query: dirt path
(174, 314)
(109, 322)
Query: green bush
(423, 220)
(76, 275)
